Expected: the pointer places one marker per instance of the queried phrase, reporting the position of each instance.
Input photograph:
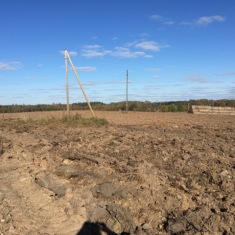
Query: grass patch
(78, 120)
(66, 119)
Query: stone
(185, 204)
(147, 226)
(224, 173)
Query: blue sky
(173, 50)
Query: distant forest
(146, 106)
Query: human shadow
(91, 228)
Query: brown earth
(143, 173)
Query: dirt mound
(175, 176)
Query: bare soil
(143, 173)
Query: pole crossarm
(79, 82)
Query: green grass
(78, 120)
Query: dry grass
(77, 119)
(71, 120)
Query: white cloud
(92, 46)
(127, 53)
(163, 20)
(150, 46)
(10, 66)
(156, 17)
(124, 52)
(206, 20)
(94, 53)
(91, 51)
(86, 69)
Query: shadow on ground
(90, 228)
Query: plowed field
(142, 173)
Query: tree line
(146, 106)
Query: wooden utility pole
(79, 82)
(67, 82)
(127, 91)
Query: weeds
(77, 119)
(66, 119)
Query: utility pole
(67, 82)
(79, 82)
(127, 91)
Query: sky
(173, 50)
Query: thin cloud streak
(10, 66)
(127, 53)
(228, 74)
(156, 17)
(204, 20)
(92, 46)
(200, 21)
(86, 69)
(163, 20)
(89, 53)
(196, 77)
